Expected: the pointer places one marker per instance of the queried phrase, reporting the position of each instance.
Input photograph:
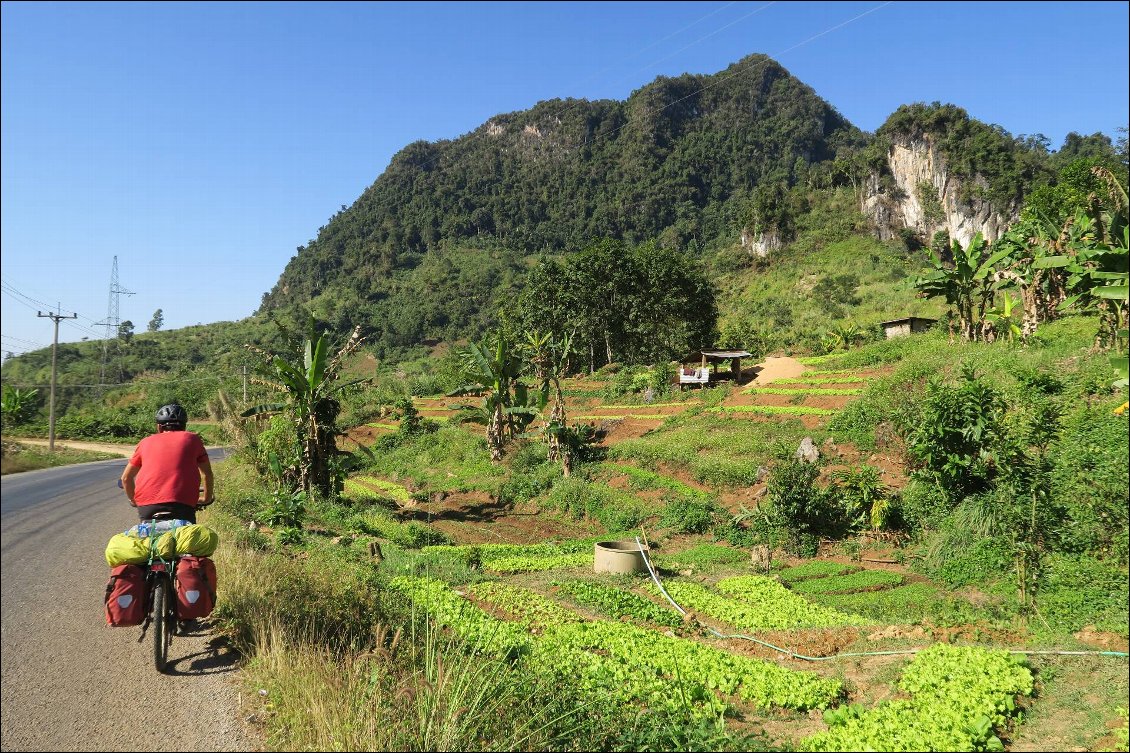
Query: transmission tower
(112, 317)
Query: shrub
(984, 559)
(685, 514)
(583, 499)
(958, 433)
(1088, 482)
(799, 506)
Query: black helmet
(172, 414)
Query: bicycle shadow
(218, 658)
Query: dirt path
(125, 450)
(778, 368)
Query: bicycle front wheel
(162, 622)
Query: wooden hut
(707, 369)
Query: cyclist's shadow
(218, 658)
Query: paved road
(69, 682)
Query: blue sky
(202, 143)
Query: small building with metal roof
(907, 326)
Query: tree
(620, 303)
(309, 384)
(125, 331)
(1096, 261)
(157, 321)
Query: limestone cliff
(925, 196)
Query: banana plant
(549, 359)
(493, 370)
(1003, 318)
(310, 391)
(16, 404)
(968, 285)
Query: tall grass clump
(416, 690)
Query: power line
(24, 299)
(700, 39)
(13, 338)
(57, 317)
(661, 41)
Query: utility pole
(57, 317)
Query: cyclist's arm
(206, 477)
(128, 476)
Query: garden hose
(903, 652)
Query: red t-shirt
(169, 468)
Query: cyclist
(166, 469)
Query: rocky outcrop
(927, 198)
(761, 244)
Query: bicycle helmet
(172, 415)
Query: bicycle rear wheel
(162, 622)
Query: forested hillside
(678, 162)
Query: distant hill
(445, 231)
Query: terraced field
(735, 647)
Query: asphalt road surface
(67, 680)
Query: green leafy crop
(960, 697)
(617, 603)
(760, 604)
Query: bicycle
(160, 598)
(160, 593)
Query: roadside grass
(18, 457)
(418, 689)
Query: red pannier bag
(196, 587)
(125, 596)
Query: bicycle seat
(163, 515)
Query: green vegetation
(715, 451)
(961, 696)
(814, 569)
(619, 237)
(759, 603)
(776, 410)
(703, 555)
(804, 391)
(861, 581)
(617, 603)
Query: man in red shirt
(165, 471)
